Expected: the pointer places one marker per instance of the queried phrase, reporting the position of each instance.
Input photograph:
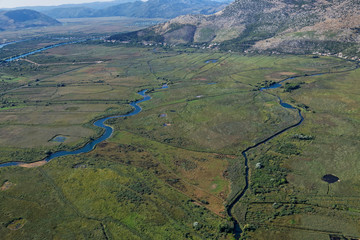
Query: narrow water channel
(230, 206)
(38, 50)
(99, 123)
(137, 109)
(237, 228)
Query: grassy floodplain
(168, 172)
(331, 118)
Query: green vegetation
(289, 87)
(206, 35)
(146, 35)
(323, 144)
(169, 172)
(270, 176)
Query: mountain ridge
(140, 9)
(283, 26)
(24, 18)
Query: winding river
(237, 229)
(99, 123)
(108, 131)
(38, 50)
(9, 43)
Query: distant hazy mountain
(291, 26)
(24, 18)
(71, 12)
(148, 9)
(93, 5)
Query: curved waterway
(9, 43)
(137, 109)
(237, 229)
(99, 123)
(39, 50)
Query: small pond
(60, 139)
(211, 61)
(329, 178)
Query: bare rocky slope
(290, 26)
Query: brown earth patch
(7, 185)
(287, 73)
(16, 224)
(277, 76)
(102, 144)
(222, 156)
(33, 165)
(290, 177)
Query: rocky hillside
(143, 9)
(291, 26)
(24, 18)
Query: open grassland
(118, 191)
(168, 172)
(216, 106)
(66, 102)
(198, 175)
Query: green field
(169, 172)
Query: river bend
(108, 131)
